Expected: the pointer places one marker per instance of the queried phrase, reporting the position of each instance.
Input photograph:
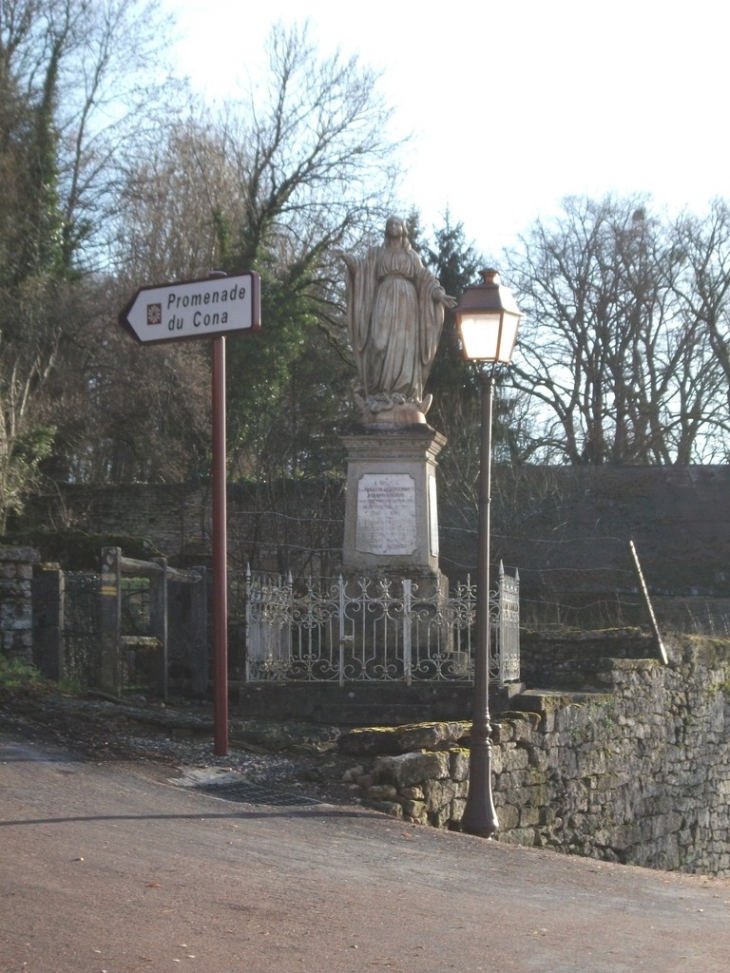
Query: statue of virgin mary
(395, 312)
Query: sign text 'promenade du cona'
(194, 308)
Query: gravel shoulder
(165, 740)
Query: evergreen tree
(457, 265)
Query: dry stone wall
(16, 613)
(638, 773)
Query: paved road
(108, 867)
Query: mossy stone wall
(636, 773)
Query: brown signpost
(211, 307)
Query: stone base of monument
(391, 512)
(366, 704)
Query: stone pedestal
(391, 516)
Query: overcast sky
(513, 106)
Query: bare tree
(702, 289)
(312, 150)
(620, 373)
(179, 201)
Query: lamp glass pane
(479, 335)
(509, 337)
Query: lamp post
(488, 318)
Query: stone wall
(565, 528)
(16, 613)
(277, 526)
(639, 773)
(572, 660)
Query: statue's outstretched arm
(441, 297)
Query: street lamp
(488, 318)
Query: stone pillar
(16, 611)
(49, 647)
(391, 515)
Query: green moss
(15, 674)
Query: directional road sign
(194, 309)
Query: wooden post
(649, 606)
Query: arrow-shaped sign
(194, 309)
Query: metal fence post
(407, 630)
(343, 636)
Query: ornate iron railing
(368, 630)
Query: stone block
(19, 555)
(529, 816)
(438, 793)
(549, 817)
(497, 761)
(526, 728)
(538, 759)
(527, 837)
(440, 818)
(381, 792)
(15, 588)
(411, 768)
(394, 810)
(461, 788)
(513, 758)
(509, 818)
(392, 740)
(534, 795)
(457, 809)
(505, 783)
(459, 765)
(415, 810)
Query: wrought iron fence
(368, 630)
(506, 627)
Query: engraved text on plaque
(386, 514)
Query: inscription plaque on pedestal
(386, 514)
(391, 520)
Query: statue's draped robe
(395, 321)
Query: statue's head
(396, 233)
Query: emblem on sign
(154, 314)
